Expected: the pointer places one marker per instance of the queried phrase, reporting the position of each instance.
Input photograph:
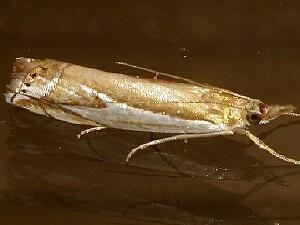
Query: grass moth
(81, 95)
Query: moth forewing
(88, 96)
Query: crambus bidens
(101, 99)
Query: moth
(81, 95)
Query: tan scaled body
(101, 99)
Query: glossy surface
(47, 176)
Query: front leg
(264, 146)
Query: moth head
(263, 113)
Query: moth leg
(264, 146)
(84, 132)
(173, 138)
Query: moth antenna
(189, 81)
(264, 146)
(159, 73)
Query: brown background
(251, 47)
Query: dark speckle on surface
(47, 176)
